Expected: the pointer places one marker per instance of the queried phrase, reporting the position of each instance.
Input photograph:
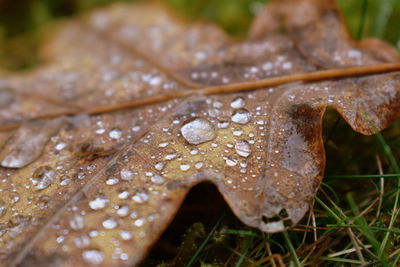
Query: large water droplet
(237, 103)
(126, 175)
(77, 222)
(198, 131)
(110, 223)
(140, 197)
(157, 179)
(115, 134)
(243, 148)
(98, 203)
(45, 177)
(241, 116)
(93, 256)
(82, 241)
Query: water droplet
(125, 235)
(157, 179)
(123, 195)
(237, 103)
(3, 209)
(65, 181)
(163, 144)
(126, 175)
(159, 166)
(140, 197)
(60, 146)
(139, 222)
(223, 124)
(237, 132)
(198, 165)
(231, 162)
(110, 223)
(93, 256)
(112, 181)
(115, 134)
(77, 222)
(185, 167)
(243, 148)
(45, 177)
(241, 116)
(82, 241)
(123, 211)
(99, 203)
(198, 131)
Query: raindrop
(242, 148)
(241, 116)
(231, 162)
(93, 256)
(139, 222)
(159, 166)
(198, 165)
(82, 241)
(237, 103)
(125, 235)
(77, 222)
(60, 146)
(45, 177)
(123, 211)
(157, 179)
(123, 195)
(185, 167)
(115, 134)
(3, 209)
(126, 175)
(110, 223)
(112, 181)
(140, 197)
(198, 131)
(98, 203)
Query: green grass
(355, 218)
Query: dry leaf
(100, 188)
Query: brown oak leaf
(135, 107)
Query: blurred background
(25, 23)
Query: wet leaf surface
(88, 180)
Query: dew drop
(185, 167)
(241, 116)
(123, 211)
(45, 177)
(198, 131)
(115, 134)
(82, 241)
(60, 146)
(159, 166)
(125, 235)
(110, 223)
(77, 222)
(140, 197)
(93, 256)
(3, 209)
(243, 148)
(157, 179)
(231, 162)
(198, 165)
(98, 203)
(126, 175)
(237, 103)
(112, 181)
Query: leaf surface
(88, 179)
